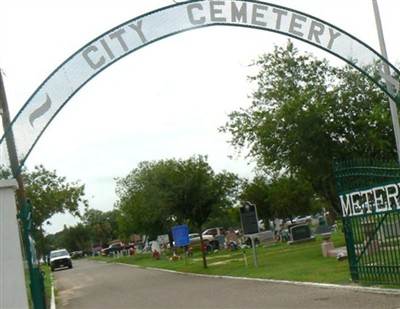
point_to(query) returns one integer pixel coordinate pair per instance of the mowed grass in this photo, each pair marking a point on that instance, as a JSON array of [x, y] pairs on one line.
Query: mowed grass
[[301, 262], [47, 283]]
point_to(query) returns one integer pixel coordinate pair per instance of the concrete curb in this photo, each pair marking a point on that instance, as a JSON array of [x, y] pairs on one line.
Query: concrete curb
[[53, 298], [299, 283]]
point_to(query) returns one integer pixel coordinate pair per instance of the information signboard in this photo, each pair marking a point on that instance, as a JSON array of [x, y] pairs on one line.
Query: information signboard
[[249, 219], [180, 233]]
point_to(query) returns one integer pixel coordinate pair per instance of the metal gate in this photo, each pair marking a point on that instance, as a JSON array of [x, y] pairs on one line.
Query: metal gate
[[369, 194]]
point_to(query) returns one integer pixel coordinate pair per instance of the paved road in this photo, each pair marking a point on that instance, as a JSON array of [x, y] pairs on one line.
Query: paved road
[[98, 285]]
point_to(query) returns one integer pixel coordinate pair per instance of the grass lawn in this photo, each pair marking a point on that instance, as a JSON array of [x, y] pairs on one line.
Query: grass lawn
[[47, 283], [300, 262]]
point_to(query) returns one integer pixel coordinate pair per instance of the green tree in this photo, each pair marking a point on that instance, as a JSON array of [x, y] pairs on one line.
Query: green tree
[[280, 197], [102, 226], [290, 196], [144, 208], [50, 194], [257, 192], [157, 195], [77, 238], [5, 173], [54, 241], [203, 191], [230, 185], [305, 113]]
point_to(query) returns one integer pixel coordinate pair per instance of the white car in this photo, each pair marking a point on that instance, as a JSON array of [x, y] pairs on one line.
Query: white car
[[60, 258], [215, 231], [302, 219], [195, 239]]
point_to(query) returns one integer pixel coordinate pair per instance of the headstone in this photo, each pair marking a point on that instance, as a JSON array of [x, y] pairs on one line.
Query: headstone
[[155, 246], [321, 220], [231, 236], [326, 247], [323, 229], [266, 238], [290, 225], [301, 233], [163, 239], [232, 240], [221, 241], [277, 223]]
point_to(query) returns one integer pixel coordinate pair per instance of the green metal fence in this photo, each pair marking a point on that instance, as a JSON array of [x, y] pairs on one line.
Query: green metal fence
[[369, 194]]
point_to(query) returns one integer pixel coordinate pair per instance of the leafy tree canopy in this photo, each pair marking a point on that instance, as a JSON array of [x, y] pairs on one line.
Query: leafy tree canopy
[[102, 226], [77, 238], [257, 192], [157, 195], [305, 113], [282, 197], [51, 194]]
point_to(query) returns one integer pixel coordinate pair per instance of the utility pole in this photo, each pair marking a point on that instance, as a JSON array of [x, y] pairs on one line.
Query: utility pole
[[12, 149], [386, 71]]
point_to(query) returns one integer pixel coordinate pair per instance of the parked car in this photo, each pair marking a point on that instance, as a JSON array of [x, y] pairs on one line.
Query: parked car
[[195, 239], [302, 219], [215, 231], [113, 248], [116, 247], [210, 244], [60, 258], [76, 254]]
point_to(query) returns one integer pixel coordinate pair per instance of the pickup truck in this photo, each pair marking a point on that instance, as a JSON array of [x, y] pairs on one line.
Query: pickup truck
[[116, 247]]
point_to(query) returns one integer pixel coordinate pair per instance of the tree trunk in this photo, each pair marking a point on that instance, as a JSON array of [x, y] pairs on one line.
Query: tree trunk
[[203, 250]]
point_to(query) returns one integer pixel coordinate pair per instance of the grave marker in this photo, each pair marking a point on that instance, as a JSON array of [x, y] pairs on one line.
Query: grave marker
[[300, 233]]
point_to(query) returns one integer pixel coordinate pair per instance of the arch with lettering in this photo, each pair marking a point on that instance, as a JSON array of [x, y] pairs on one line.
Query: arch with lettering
[[66, 80]]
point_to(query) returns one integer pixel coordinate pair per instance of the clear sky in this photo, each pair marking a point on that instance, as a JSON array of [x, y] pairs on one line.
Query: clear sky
[[164, 101]]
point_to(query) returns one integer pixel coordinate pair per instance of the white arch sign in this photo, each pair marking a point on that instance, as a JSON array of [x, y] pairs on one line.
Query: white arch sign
[[120, 41]]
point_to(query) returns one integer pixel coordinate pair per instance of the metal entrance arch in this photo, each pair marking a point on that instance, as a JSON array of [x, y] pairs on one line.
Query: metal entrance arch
[[66, 80]]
